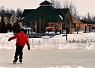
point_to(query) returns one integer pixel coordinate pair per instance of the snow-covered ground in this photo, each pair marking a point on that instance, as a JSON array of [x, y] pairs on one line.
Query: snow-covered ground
[[74, 41], [77, 52]]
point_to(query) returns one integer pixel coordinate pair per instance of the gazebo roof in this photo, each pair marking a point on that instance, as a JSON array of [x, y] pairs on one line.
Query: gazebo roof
[[46, 3], [26, 12], [62, 12], [44, 14]]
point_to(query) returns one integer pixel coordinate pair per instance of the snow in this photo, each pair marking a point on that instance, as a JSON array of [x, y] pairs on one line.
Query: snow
[[77, 52], [74, 41]]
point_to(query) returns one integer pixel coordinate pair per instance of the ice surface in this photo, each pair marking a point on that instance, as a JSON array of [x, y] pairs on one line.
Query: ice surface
[[49, 58]]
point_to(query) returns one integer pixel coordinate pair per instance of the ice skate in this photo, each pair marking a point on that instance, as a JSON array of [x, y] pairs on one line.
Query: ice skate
[[14, 62], [20, 61]]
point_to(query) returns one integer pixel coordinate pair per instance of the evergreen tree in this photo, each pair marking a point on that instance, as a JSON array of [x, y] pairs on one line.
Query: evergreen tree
[[88, 15], [9, 26], [0, 27], [3, 26], [14, 28]]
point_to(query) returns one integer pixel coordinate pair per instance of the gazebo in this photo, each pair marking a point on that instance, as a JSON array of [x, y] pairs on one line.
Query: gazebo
[[44, 15]]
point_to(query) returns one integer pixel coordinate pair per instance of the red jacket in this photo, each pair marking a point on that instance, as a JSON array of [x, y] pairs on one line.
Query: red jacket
[[21, 39]]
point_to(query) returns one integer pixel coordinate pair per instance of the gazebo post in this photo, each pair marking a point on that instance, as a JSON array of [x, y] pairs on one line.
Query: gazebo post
[[55, 27], [43, 28], [35, 27], [31, 27], [61, 28], [70, 25], [40, 29]]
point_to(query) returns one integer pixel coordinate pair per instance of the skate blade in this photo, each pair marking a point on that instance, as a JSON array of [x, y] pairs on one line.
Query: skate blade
[[14, 62], [20, 62]]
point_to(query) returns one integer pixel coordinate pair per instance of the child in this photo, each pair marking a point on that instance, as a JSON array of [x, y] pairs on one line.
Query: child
[[21, 40]]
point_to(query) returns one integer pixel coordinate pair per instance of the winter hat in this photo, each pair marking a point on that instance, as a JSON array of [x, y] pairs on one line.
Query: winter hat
[[22, 29]]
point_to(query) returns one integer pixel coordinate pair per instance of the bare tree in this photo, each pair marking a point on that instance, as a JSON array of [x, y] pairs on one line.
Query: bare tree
[[72, 8], [2, 7], [56, 3], [66, 4], [12, 11], [78, 17], [7, 10], [18, 13]]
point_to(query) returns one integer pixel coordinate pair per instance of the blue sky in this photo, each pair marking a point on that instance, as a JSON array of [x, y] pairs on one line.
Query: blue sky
[[83, 6]]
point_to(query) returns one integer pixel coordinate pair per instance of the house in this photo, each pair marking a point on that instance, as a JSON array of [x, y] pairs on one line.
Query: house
[[8, 18], [82, 25], [13, 19]]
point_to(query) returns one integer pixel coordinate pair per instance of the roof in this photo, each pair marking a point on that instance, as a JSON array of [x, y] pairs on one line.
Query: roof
[[47, 14], [26, 12], [9, 15], [76, 21], [46, 3], [62, 12], [44, 14], [6, 14]]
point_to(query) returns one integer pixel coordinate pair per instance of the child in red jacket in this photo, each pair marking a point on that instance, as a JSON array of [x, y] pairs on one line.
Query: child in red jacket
[[20, 43]]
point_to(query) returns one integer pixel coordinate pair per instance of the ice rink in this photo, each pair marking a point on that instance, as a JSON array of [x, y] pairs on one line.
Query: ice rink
[[49, 58]]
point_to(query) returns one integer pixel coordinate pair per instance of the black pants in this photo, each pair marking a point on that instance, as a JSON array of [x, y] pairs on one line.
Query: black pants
[[19, 52]]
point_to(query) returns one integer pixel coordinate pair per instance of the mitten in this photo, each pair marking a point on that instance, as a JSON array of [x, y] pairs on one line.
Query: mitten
[[9, 39], [28, 47]]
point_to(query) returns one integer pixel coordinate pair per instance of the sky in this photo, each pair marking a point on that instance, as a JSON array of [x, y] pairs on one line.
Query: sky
[[83, 6]]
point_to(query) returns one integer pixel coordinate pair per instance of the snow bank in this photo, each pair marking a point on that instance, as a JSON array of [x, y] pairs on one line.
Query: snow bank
[[74, 41]]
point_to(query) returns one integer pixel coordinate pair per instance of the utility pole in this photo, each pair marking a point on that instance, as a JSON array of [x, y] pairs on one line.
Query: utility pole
[[66, 32], [77, 29]]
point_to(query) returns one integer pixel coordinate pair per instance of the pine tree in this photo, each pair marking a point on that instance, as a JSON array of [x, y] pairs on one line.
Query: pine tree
[[14, 29], [3, 26], [0, 27], [9, 26]]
